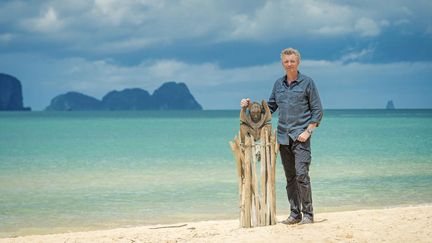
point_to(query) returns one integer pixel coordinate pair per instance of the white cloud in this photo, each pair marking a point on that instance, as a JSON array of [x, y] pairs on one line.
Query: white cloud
[[357, 55], [117, 13], [402, 22], [278, 19], [332, 30], [130, 25], [48, 22], [384, 23], [6, 37], [281, 19], [367, 27], [127, 45]]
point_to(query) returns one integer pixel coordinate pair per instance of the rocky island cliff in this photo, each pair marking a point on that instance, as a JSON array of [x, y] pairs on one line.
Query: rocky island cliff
[[169, 96], [11, 98]]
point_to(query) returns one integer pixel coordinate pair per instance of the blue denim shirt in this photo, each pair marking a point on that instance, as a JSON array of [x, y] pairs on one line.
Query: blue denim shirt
[[299, 105]]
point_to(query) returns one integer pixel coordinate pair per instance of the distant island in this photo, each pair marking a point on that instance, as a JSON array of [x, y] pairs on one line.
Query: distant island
[[390, 105], [170, 96], [11, 98]]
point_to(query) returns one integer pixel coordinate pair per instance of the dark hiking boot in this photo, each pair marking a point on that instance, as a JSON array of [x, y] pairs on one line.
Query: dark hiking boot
[[306, 220], [291, 220]]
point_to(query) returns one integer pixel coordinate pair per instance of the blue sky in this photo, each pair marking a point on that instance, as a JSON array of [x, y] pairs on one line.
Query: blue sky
[[360, 53]]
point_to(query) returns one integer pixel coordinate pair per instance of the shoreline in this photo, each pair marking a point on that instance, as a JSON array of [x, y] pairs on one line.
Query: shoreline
[[407, 223]]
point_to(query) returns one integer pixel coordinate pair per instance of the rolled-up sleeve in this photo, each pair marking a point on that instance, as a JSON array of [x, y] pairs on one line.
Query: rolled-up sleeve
[[315, 104]]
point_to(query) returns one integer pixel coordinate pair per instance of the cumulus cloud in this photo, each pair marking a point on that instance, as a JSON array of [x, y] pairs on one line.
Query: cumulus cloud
[[131, 25], [115, 13], [357, 55], [47, 22], [402, 22], [126, 45], [331, 30], [6, 37], [277, 19], [367, 27]]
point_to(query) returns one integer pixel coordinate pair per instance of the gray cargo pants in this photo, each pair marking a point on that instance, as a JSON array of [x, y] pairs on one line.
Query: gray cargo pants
[[296, 158]]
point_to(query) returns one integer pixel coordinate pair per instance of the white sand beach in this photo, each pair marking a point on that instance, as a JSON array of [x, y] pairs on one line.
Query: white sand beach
[[400, 224]]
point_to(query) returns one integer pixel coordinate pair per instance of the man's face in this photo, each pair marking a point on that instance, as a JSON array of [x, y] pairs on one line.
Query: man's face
[[290, 63]]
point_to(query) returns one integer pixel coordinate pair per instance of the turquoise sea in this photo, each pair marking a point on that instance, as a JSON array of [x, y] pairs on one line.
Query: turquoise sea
[[70, 171]]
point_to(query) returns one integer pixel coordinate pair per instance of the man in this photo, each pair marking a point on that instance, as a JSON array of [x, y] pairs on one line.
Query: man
[[300, 112]]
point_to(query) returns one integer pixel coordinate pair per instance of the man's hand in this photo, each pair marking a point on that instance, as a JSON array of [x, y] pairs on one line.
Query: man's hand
[[303, 136], [307, 133], [244, 102]]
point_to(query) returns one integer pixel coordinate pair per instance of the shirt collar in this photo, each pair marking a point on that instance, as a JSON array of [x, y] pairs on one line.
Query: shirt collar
[[300, 77]]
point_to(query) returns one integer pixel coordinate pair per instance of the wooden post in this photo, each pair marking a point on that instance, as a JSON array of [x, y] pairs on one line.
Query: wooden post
[[268, 179], [263, 180], [273, 177], [247, 184], [236, 152], [257, 196]]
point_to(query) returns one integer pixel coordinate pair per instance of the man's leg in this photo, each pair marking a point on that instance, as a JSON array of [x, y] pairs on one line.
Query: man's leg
[[302, 154], [288, 163]]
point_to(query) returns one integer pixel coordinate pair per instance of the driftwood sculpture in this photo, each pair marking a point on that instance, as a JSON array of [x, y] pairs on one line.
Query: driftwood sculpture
[[254, 144], [259, 117]]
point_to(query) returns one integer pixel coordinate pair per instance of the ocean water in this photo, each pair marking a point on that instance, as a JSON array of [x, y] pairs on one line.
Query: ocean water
[[69, 171]]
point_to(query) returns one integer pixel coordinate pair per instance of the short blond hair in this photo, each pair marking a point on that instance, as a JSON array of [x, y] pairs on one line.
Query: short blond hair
[[290, 51]]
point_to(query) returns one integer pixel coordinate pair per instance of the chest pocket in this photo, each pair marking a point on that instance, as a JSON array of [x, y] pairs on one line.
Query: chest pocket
[[297, 98], [281, 96]]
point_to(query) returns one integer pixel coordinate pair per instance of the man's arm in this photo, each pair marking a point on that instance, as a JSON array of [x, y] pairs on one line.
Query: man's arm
[[315, 104], [272, 101], [316, 111]]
